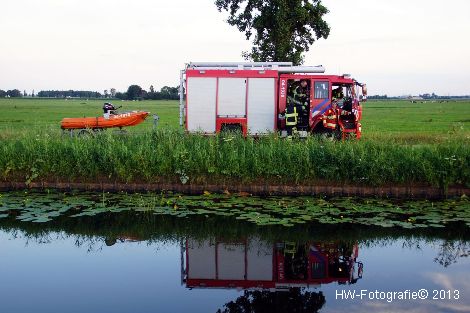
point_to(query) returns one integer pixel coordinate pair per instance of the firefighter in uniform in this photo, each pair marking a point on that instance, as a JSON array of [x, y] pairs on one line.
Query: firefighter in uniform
[[338, 93], [292, 118], [330, 116], [297, 108], [329, 119]]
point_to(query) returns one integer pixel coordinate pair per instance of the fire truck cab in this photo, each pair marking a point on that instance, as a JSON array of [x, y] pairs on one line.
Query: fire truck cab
[[252, 98]]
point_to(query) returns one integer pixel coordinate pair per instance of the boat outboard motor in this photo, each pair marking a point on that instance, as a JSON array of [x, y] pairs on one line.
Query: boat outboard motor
[[108, 108]]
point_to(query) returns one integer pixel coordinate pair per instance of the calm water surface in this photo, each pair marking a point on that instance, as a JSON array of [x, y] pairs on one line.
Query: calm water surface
[[104, 264]]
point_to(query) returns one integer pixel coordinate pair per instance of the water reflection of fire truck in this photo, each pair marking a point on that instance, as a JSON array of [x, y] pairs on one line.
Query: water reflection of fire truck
[[254, 263]]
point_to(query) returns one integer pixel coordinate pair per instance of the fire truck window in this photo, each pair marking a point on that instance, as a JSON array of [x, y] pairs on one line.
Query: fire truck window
[[321, 90]]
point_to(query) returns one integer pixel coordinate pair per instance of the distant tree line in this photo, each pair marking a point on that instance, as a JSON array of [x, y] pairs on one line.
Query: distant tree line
[[68, 94], [15, 93], [377, 97], [134, 92], [425, 96]]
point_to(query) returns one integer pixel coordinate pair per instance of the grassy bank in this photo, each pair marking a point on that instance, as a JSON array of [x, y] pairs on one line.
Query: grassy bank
[[403, 143], [173, 156]]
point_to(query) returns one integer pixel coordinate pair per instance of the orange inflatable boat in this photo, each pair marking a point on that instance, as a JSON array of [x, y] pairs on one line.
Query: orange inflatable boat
[[117, 120]]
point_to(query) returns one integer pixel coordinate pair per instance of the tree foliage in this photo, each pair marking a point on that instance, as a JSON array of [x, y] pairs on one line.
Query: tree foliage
[[291, 300], [134, 92], [14, 93], [169, 92], [68, 94], [283, 29], [121, 95]]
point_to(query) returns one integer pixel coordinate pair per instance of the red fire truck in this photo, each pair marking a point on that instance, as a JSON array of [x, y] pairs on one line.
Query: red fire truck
[[253, 263], [252, 98]]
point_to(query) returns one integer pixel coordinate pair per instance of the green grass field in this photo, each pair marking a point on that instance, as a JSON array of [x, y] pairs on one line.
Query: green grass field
[[398, 120], [416, 122], [20, 116], [403, 144]]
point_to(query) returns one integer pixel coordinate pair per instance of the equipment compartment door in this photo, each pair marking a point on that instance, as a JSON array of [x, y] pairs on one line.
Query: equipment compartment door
[[231, 97], [201, 104], [261, 105], [201, 258], [231, 261]]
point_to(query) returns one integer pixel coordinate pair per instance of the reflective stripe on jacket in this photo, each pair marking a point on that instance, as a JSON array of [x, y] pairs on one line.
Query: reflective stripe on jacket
[[291, 117], [329, 119]]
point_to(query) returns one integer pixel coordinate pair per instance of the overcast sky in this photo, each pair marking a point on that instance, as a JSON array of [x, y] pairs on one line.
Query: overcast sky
[[397, 47]]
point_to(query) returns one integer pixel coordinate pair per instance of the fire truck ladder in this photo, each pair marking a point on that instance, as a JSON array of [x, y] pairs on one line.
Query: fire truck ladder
[[281, 67]]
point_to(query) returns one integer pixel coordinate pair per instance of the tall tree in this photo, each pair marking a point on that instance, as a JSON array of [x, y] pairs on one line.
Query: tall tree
[[134, 92], [113, 92], [283, 29], [170, 93], [121, 95]]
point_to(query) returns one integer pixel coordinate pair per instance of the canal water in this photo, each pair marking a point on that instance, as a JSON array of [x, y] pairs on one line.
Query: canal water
[[135, 262]]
